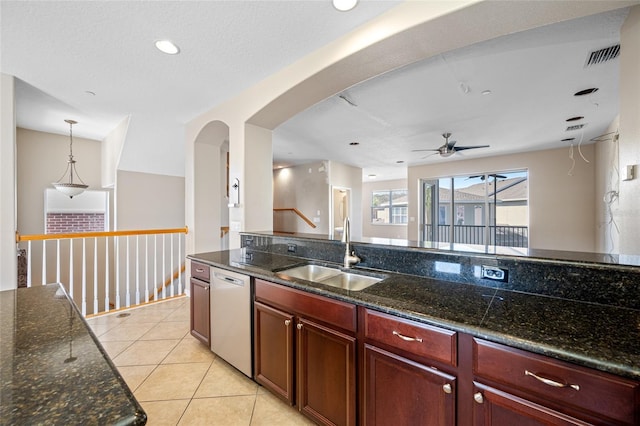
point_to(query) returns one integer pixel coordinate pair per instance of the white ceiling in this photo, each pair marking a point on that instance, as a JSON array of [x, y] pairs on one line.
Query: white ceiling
[[60, 50], [532, 77]]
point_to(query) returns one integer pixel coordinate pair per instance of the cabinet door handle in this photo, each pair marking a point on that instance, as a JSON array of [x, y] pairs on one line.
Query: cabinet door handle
[[550, 382], [299, 326], [199, 270], [447, 388], [206, 288], [407, 338], [287, 322], [478, 397]]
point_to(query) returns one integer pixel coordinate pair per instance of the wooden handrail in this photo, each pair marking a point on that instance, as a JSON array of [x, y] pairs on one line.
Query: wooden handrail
[[223, 231], [298, 212], [42, 237]]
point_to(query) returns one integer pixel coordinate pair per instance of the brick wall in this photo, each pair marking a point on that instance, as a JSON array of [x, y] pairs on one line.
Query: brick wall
[[58, 223]]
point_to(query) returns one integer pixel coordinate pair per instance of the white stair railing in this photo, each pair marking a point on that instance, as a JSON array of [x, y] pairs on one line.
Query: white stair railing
[[108, 263]]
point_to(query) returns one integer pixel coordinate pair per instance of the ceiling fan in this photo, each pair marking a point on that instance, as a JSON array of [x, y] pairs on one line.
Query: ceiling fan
[[450, 148]]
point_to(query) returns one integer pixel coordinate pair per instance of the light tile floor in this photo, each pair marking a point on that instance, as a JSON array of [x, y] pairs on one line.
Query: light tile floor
[[177, 379]]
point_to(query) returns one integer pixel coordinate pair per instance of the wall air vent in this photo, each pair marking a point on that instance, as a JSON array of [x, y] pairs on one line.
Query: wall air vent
[[575, 127], [602, 55]]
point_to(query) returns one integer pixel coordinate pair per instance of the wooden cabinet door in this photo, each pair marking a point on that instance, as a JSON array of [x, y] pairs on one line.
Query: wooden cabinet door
[[326, 374], [400, 392], [273, 334], [200, 311], [498, 408]]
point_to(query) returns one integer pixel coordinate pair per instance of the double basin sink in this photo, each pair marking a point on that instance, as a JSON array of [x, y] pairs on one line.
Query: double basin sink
[[333, 277]]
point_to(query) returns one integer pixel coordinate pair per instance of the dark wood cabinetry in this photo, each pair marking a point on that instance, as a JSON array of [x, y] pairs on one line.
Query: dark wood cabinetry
[[532, 389], [399, 391], [324, 351], [402, 391], [410, 373], [200, 303], [273, 336]]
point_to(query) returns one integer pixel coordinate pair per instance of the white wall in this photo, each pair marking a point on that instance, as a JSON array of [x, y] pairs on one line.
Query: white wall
[[306, 188], [407, 33], [111, 151], [370, 230], [148, 201], [8, 220], [344, 176], [607, 187], [42, 159], [629, 207], [561, 207]]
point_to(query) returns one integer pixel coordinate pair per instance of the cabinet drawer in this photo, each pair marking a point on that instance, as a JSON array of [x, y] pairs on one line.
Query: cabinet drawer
[[419, 339], [561, 383], [200, 271], [334, 312]]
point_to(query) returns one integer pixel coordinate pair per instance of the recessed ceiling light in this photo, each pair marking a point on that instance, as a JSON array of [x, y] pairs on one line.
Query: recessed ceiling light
[[344, 5], [90, 93], [586, 91], [168, 47], [486, 92], [354, 143], [567, 139], [400, 161], [372, 176], [576, 118]]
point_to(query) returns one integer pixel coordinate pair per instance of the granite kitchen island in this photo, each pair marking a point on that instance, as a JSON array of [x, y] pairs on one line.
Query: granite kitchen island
[[53, 369]]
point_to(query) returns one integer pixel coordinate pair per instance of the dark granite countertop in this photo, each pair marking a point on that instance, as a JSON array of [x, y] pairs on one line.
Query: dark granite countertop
[[603, 337], [53, 369]]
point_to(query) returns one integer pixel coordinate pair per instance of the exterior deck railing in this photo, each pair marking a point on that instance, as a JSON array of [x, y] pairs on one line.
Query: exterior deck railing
[[108, 270], [504, 236]]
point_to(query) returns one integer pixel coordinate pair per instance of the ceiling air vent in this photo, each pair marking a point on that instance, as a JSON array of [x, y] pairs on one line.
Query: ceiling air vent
[[602, 55], [575, 127]]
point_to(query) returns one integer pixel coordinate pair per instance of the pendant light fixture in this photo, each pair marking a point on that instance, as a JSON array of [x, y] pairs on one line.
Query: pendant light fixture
[[70, 188]]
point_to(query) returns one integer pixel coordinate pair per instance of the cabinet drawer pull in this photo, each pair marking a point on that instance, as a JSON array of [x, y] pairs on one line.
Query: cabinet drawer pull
[[287, 322], [199, 270], [478, 397], [206, 288], [407, 338], [550, 382], [447, 388], [299, 326]]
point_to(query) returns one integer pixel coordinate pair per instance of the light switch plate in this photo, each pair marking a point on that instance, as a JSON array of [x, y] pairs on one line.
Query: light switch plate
[[629, 172]]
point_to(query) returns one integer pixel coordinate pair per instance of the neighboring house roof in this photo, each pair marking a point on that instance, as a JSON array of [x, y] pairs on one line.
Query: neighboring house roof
[[511, 189]]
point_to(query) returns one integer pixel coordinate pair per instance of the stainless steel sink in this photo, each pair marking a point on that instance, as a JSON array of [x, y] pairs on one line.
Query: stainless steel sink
[[330, 276]]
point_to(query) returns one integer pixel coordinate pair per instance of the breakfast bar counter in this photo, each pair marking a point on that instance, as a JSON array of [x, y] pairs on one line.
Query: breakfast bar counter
[[53, 369]]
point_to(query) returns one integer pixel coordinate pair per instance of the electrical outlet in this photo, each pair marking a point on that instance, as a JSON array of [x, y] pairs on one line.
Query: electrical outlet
[[291, 248], [495, 273]]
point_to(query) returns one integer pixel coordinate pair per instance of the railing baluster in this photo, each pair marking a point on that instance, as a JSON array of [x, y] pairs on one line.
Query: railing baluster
[[58, 261], [127, 295], [163, 267], [28, 263], [107, 307], [179, 264], [171, 264], [84, 277], [155, 265], [146, 268], [71, 268], [95, 275], [116, 241], [163, 273], [137, 272], [44, 262]]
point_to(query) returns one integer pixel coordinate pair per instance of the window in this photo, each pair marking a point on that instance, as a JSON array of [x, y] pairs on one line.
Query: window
[[488, 209], [389, 207]]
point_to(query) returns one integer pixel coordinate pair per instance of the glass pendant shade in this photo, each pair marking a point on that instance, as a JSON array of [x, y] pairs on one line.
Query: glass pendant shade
[[67, 186]]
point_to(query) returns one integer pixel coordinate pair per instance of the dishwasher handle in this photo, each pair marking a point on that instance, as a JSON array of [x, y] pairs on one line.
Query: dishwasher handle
[[229, 279]]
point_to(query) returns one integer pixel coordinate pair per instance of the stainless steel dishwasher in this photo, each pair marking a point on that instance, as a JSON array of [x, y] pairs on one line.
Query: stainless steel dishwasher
[[231, 318]]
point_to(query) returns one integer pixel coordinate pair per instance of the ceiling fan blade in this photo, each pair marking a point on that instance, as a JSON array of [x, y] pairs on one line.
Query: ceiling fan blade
[[462, 148], [451, 145], [430, 155], [420, 150]]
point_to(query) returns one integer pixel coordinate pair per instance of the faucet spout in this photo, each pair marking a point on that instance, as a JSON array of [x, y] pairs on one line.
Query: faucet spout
[[350, 257]]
